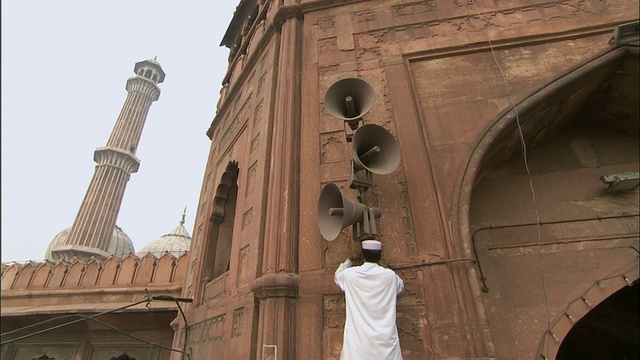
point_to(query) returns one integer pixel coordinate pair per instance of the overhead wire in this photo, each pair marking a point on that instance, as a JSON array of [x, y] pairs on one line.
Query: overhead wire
[[93, 318], [514, 109], [564, 313], [61, 325], [135, 337]]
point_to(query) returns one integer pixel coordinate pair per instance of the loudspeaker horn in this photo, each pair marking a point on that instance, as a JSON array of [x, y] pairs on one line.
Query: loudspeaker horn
[[375, 149], [349, 99], [336, 212]]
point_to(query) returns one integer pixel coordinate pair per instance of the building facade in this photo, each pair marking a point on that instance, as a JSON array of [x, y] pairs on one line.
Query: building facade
[[512, 217]]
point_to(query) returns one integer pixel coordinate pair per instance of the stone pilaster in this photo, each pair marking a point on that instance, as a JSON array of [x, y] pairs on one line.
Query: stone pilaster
[[276, 288]]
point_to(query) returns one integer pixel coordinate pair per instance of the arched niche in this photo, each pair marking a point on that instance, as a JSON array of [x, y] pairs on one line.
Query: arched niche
[[538, 218], [217, 249]]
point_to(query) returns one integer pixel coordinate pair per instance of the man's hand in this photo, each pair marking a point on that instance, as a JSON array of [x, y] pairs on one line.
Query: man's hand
[[356, 260]]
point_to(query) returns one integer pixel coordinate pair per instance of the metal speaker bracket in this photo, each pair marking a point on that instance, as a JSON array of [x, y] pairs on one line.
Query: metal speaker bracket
[[367, 229], [358, 182]]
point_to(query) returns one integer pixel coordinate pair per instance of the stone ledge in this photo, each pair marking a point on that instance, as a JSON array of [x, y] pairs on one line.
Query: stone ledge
[[272, 285]]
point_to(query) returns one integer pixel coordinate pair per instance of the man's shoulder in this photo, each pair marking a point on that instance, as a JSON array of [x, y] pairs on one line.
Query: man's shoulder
[[381, 269]]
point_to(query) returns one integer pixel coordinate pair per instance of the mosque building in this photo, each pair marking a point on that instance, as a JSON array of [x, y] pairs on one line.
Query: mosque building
[[493, 144]]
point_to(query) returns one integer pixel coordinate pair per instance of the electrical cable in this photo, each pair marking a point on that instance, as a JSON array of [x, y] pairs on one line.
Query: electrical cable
[[69, 316], [186, 324], [524, 155], [92, 318], [135, 337], [62, 325]]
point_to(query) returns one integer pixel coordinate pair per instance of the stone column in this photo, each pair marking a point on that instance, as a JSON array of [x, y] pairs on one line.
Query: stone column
[[276, 289]]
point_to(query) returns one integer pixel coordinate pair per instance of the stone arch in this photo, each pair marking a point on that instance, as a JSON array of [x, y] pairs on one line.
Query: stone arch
[[108, 271], [124, 356], [146, 269], [74, 275], [91, 273], [147, 74], [44, 357], [41, 276], [543, 116], [503, 129], [58, 273], [217, 249], [164, 270], [25, 275], [620, 292], [9, 276], [128, 268], [180, 269]]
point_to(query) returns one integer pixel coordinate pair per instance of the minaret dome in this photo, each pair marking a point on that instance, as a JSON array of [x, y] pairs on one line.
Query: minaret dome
[[150, 69]]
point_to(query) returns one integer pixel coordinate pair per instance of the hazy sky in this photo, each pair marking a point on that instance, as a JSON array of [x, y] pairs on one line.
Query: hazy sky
[[65, 64]]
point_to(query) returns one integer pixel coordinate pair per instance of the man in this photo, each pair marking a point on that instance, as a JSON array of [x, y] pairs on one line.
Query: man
[[370, 290]]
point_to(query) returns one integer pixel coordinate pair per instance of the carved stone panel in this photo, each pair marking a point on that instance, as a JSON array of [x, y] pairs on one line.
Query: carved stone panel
[[244, 270], [238, 322], [205, 333], [334, 318], [332, 147], [251, 180]]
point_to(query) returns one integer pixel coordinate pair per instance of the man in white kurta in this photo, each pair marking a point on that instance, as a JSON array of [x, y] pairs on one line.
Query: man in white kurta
[[371, 290]]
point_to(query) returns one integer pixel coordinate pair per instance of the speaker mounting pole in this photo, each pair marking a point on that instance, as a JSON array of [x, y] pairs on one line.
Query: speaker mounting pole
[[375, 151], [367, 229], [359, 182]]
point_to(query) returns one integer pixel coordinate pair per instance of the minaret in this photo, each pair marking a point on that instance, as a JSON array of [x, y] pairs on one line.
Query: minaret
[[91, 232]]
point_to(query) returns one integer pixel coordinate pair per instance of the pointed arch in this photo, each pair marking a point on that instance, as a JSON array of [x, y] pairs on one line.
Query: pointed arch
[[124, 356], [607, 328], [501, 138], [582, 122], [217, 253], [44, 357]]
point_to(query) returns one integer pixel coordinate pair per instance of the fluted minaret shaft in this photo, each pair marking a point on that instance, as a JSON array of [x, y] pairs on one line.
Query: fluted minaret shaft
[[94, 224]]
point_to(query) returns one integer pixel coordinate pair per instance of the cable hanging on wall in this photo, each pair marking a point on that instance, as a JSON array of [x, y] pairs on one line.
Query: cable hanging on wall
[[524, 151], [93, 317]]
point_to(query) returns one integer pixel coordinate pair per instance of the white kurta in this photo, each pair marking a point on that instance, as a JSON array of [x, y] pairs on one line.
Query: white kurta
[[370, 329]]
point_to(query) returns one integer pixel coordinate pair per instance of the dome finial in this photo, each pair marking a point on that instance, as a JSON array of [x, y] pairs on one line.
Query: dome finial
[[183, 215]]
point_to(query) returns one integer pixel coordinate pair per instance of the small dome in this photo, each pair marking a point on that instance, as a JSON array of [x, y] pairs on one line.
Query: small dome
[[150, 66], [176, 243], [119, 246]]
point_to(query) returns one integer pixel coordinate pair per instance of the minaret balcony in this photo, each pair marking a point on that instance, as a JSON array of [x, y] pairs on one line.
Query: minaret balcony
[[143, 85], [116, 157]]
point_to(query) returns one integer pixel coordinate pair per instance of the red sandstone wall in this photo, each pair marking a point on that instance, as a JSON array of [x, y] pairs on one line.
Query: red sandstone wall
[[131, 270], [439, 88]]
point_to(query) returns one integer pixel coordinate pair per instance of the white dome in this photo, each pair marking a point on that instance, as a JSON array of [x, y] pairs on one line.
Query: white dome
[[119, 246], [176, 243]]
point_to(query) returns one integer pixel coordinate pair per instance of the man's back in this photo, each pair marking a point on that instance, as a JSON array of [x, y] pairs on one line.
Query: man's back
[[370, 329]]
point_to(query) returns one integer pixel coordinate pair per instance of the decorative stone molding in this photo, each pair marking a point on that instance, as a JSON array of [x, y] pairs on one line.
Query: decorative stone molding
[[272, 285], [285, 13], [164, 270], [117, 158], [145, 86]]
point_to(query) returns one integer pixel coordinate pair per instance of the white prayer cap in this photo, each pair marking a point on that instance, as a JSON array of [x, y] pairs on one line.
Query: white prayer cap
[[371, 245]]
